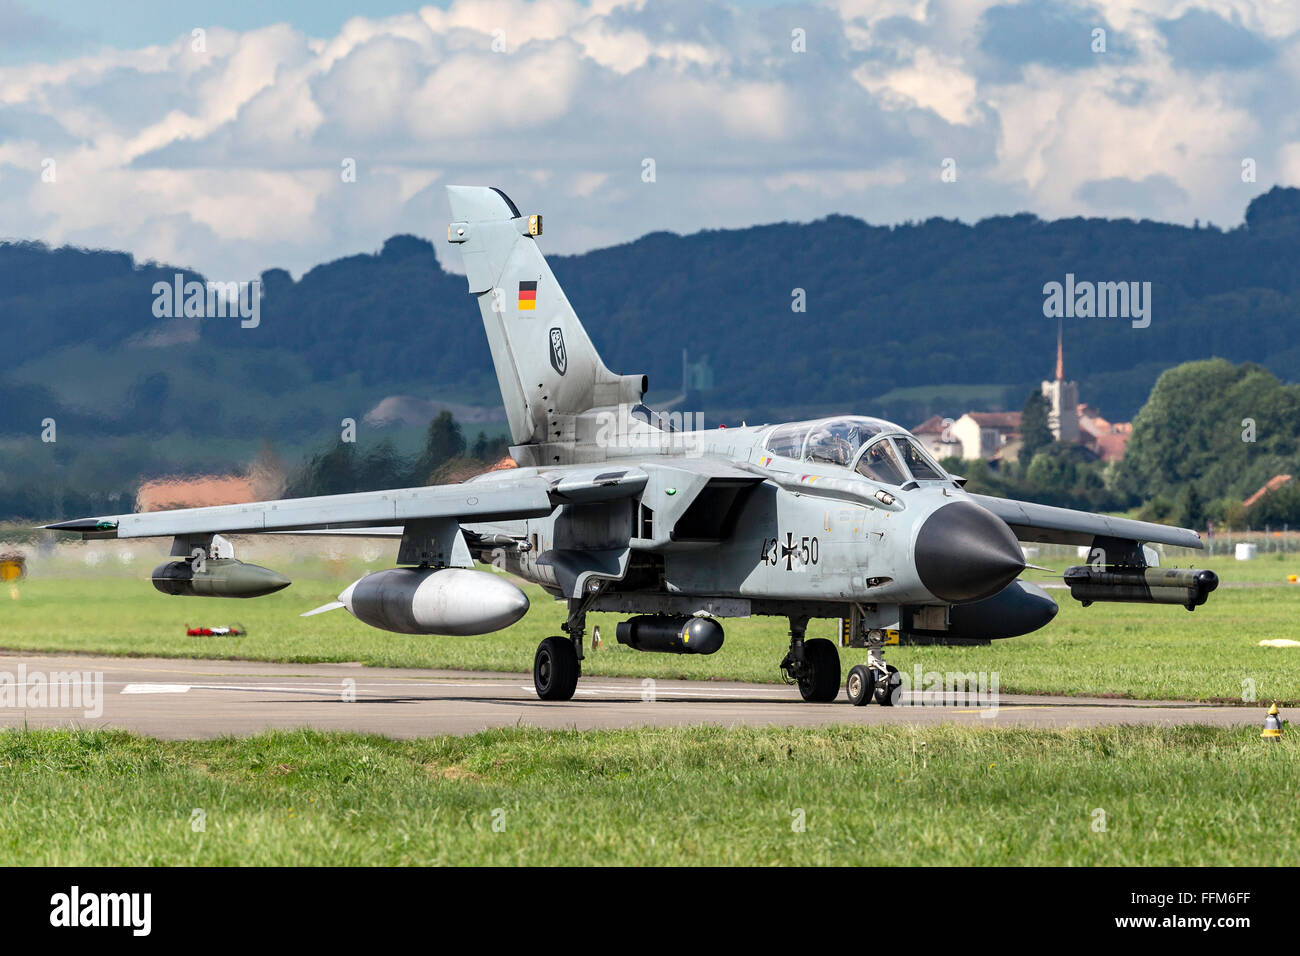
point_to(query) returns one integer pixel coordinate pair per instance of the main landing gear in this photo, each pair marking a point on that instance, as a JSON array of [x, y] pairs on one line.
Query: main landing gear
[[556, 669], [813, 665], [557, 665], [874, 680]]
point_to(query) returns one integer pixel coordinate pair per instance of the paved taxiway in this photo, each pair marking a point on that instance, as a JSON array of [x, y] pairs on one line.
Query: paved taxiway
[[208, 698]]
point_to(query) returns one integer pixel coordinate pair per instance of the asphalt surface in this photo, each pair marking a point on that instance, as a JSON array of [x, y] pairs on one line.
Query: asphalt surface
[[181, 698]]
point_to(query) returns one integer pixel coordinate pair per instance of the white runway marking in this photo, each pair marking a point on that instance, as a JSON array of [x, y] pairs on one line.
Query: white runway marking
[[156, 689], [672, 692]]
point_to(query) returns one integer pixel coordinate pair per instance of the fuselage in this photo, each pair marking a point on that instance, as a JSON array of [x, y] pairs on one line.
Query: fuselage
[[827, 511]]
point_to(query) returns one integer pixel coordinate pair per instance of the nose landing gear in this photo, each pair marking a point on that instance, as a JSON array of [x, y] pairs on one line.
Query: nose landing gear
[[874, 680], [861, 685]]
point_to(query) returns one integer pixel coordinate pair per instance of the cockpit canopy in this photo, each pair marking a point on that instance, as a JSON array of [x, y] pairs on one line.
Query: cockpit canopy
[[891, 455], [834, 440]]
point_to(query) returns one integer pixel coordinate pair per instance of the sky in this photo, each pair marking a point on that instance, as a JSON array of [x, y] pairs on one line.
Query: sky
[[238, 136]]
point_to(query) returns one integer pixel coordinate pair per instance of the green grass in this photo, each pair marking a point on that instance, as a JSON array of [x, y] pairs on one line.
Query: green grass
[[1267, 568], [953, 395], [1129, 650], [868, 795]]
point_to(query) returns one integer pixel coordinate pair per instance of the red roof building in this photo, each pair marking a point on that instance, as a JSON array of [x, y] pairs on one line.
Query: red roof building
[[1273, 484]]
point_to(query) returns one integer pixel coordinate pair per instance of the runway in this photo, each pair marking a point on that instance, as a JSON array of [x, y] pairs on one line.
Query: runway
[[184, 698]]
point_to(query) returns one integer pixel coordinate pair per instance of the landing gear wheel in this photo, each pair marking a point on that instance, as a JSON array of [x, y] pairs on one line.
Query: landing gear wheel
[[861, 685], [556, 669], [888, 692], [820, 681]]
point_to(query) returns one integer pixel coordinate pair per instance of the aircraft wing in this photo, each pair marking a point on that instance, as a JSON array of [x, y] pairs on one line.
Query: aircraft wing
[[395, 531], [530, 495], [1034, 522]]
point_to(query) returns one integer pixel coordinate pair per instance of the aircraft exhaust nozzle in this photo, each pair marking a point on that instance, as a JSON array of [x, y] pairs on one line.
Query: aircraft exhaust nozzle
[[965, 553], [435, 601]]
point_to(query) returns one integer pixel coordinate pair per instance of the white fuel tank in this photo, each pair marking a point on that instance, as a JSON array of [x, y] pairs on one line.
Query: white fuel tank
[[435, 601]]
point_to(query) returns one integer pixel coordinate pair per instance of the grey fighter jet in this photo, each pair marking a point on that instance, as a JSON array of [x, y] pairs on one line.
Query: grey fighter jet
[[612, 509]]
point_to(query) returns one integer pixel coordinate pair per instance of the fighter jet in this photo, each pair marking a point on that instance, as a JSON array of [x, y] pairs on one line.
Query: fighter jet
[[612, 509]]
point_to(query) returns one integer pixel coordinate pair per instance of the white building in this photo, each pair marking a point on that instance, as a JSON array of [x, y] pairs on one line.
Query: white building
[[935, 433], [983, 434]]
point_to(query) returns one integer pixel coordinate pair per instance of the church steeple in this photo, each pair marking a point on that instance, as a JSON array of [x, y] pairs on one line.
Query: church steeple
[[1062, 398], [1060, 354]]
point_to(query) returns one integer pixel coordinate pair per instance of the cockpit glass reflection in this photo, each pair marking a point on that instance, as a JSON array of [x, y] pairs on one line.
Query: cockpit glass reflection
[[880, 463], [835, 441], [917, 461], [787, 441]]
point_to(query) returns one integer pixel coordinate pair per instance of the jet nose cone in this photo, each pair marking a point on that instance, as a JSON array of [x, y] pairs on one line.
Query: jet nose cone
[[964, 553]]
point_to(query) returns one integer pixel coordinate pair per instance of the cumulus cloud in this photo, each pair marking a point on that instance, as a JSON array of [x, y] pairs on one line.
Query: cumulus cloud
[[233, 155]]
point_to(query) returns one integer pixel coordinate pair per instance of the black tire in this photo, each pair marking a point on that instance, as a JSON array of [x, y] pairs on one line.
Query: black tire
[[555, 669], [820, 683], [888, 693], [861, 685]]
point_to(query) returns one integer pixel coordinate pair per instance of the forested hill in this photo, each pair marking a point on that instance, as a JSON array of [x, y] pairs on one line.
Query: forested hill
[[891, 312], [943, 303]]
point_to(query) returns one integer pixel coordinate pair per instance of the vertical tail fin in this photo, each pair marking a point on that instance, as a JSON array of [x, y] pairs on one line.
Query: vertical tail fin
[[545, 363]]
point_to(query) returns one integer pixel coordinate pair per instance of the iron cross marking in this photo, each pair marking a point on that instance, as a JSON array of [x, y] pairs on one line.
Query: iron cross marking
[[788, 551]]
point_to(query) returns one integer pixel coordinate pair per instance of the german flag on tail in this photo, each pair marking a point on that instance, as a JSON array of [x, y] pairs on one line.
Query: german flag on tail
[[528, 296]]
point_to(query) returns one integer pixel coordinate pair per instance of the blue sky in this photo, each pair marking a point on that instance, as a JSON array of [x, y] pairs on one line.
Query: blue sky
[[77, 26], [117, 132], [53, 30]]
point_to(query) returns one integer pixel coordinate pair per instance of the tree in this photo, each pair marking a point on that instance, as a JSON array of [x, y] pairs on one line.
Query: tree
[[267, 473], [1224, 426], [489, 450], [442, 442], [1056, 474], [1034, 431], [383, 467], [1191, 513], [147, 400], [332, 472], [1279, 507]]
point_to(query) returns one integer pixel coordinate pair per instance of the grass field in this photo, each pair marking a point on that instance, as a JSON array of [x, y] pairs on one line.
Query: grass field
[[1122, 649], [865, 795]]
